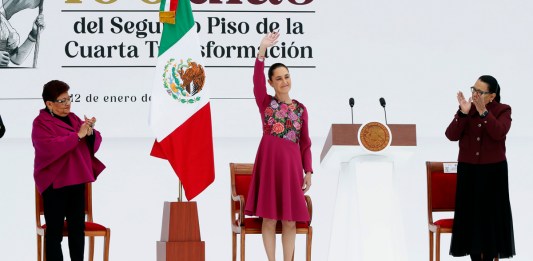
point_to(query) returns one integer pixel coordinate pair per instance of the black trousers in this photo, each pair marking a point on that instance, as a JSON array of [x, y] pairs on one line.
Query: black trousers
[[67, 202]]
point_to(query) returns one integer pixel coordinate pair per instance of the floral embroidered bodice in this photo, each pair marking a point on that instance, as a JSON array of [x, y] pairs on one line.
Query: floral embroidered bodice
[[283, 120]]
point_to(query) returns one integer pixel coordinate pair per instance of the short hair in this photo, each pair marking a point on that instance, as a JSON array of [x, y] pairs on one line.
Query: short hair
[[54, 88], [274, 67]]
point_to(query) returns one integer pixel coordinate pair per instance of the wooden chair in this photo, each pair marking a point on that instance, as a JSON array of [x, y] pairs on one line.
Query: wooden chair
[[441, 188], [441, 198], [91, 229], [241, 174]]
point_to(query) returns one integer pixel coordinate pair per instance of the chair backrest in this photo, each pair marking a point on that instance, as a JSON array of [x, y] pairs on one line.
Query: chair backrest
[[441, 186], [39, 208], [241, 175]]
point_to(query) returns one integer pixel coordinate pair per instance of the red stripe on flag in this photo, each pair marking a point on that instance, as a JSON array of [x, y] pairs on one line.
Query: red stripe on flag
[[189, 150], [173, 5]]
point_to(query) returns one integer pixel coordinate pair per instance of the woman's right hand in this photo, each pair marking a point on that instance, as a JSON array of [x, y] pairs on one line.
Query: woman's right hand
[[463, 103]]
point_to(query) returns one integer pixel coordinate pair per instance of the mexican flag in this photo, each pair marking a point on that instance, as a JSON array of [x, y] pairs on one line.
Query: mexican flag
[[180, 113]]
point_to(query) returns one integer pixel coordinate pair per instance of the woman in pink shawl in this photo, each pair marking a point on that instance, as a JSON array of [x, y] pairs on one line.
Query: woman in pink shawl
[[64, 161]]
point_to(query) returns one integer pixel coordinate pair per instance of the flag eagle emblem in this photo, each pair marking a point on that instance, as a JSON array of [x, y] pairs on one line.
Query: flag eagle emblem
[[184, 81]]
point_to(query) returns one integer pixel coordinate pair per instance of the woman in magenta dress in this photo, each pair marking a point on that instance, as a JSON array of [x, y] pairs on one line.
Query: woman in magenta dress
[[284, 155]]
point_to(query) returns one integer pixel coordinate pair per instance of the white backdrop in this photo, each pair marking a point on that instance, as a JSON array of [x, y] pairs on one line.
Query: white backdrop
[[417, 55]]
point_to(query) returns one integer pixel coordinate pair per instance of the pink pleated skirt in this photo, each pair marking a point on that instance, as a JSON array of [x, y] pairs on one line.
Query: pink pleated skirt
[[276, 186]]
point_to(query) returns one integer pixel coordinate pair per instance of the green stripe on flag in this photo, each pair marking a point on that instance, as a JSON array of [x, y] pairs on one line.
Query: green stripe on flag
[[162, 5], [172, 33]]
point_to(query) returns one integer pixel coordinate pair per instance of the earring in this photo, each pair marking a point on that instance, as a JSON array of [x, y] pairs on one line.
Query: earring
[[51, 112]]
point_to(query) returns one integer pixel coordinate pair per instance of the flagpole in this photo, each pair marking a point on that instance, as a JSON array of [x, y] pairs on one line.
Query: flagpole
[[36, 52], [180, 235], [180, 195]]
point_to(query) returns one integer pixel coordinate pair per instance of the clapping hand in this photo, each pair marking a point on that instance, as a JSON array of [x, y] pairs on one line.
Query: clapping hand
[[463, 103], [90, 123], [84, 131], [479, 102]]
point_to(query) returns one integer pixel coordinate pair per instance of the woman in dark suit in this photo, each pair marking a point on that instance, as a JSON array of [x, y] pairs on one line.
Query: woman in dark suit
[[483, 224]]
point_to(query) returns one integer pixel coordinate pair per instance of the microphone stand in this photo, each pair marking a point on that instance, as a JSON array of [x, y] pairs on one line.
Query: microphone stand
[[352, 114], [385, 115]]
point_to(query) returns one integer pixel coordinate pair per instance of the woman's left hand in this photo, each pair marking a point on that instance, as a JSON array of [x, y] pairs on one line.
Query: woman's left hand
[[269, 40], [91, 123], [307, 182]]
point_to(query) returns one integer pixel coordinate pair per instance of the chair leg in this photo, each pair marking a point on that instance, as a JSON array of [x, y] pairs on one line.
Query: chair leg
[[233, 246], [44, 247], [243, 237], [39, 248], [309, 238], [437, 247], [91, 248], [430, 246], [107, 238]]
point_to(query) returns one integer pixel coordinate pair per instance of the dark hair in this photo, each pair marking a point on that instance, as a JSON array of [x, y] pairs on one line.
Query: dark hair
[[494, 87], [274, 67], [54, 88]]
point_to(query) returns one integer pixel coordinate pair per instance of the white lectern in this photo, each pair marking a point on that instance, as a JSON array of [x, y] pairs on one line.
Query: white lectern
[[367, 223]]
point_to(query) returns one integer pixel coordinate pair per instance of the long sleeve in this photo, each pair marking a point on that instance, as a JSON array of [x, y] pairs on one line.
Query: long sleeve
[[481, 140], [305, 143], [260, 92], [94, 141], [456, 127], [498, 125]]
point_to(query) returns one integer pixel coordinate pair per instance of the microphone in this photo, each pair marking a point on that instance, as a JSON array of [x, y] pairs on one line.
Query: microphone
[[383, 103], [352, 102]]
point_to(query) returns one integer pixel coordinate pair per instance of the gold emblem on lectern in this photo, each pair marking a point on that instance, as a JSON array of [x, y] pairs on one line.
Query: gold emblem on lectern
[[374, 136]]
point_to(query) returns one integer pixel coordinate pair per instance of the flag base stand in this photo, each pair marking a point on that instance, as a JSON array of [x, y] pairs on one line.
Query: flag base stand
[[180, 233]]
